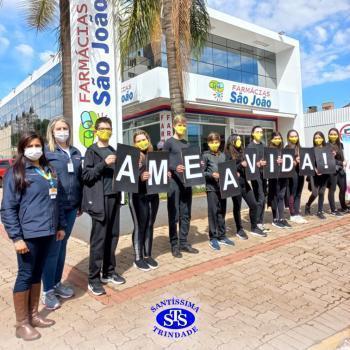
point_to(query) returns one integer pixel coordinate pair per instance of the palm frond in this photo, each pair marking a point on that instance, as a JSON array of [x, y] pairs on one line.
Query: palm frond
[[40, 13]]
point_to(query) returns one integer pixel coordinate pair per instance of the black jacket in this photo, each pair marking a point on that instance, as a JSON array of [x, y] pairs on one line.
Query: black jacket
[[93, 193], [211, 165]]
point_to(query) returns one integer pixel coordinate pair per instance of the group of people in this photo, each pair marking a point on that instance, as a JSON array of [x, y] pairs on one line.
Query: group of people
[[49, 185]]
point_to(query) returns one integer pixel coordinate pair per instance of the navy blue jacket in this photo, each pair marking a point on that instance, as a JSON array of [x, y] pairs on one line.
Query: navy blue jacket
[[71, 182], [31, 213]]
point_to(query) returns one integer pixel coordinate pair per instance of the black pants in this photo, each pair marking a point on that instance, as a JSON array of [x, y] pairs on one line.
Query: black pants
[[318, 188], [31, 264], [248, 195], [296, 185], [104, 239], [144, 210], [216, 215], [277, 191], [259, 189], [334, 180], [179, 211]]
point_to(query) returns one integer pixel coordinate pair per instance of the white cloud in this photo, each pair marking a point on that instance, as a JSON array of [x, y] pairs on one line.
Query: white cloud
[[25, 50], [4, 44], [46, 55]]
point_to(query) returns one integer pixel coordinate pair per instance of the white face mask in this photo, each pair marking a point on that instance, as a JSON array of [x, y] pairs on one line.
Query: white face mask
[[33, 153], [61, 136]]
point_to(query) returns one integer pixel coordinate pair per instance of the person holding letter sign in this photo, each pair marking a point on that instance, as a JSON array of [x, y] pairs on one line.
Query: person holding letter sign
[[259, 185], [318, 182], [179, 196], [102, 203], [216, 204], [234, 151], [277, 188], [144, 208], [296, 182], [339, 177]]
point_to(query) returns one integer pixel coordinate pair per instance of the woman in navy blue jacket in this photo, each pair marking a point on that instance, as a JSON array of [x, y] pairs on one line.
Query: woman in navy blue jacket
[[66, 160], [32, 214]]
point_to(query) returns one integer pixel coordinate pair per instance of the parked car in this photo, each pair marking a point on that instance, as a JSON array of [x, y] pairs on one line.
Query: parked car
[[4, 165]]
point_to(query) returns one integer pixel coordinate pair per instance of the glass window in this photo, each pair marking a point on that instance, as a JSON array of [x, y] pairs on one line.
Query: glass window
[[234, 59], [249, 63], [235, 75], [219, 55], [194, 66], [250, 78], [270, 68], [261, 66], [233, 44], [205, 69], [221, 72], [207, 54], [271, 83], [219, 40]]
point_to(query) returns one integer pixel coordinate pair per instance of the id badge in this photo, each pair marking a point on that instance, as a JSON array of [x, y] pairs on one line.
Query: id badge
[[70, 167], [53, 192]]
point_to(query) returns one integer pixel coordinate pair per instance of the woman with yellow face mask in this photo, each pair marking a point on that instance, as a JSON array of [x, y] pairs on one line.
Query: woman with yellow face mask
[[339, 178], [234, 151], [216, 205], [277, 188], [143, 208], [318, 182], [179, 196], [295, 183], [259, 185]]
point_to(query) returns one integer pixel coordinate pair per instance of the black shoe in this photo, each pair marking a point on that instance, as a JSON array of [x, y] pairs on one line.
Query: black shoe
[[176, 252], [336, 213], [151, 263], [320, 215], [307, 210], [241, 234], [286, 224], [189, 249], [257, 232], [96, 288], [142, 265], [344, 210], [278, 224], [113, 278]]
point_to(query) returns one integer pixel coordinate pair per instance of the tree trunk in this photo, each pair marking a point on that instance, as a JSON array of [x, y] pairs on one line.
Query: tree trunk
[[65, 43], [176, 93]]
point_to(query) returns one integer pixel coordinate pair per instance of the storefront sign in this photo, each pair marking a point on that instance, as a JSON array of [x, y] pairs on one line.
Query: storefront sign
[[94, 91], [129, 92], [166, 125], [229, 92], [344, 130]]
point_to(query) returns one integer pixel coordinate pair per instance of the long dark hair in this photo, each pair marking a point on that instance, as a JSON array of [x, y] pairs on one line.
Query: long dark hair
[[338, 145], [230, 150], [274, 134], [19, 166], [292, 145], [319, 133]]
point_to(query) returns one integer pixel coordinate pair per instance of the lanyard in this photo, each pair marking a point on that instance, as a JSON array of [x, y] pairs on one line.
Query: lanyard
[[47, 176]]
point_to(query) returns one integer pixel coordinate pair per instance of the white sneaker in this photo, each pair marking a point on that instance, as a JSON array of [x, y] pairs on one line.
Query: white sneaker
[[294, 218], [301, 219]]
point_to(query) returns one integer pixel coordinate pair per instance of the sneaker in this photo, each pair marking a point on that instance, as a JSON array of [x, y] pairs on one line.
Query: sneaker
[[113, 278], [50, 300], [286, 224], [278, 224], [63, 291], [142, 265], [295, 218], [263, 228], [151, 263], [241, 234], [96, 288], [176, 252], [307, 210], [321, 215], [336, 213], [214, 244], [344, 210], [258, 233], [226, 241], [301, 220], [189, 249]]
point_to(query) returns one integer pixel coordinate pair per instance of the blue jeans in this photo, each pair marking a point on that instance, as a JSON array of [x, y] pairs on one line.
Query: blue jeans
[[53, 269]]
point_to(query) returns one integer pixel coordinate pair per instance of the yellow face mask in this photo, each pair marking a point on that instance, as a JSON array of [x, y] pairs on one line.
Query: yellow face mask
[[293, 139], [333, 138], [180, 129], [142, 145], [318, 140], [214, 146], [258, 135], [276, 141], [104, 135], [238, 143]]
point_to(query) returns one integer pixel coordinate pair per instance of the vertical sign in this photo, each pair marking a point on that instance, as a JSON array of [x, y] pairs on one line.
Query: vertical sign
[[166, 125], [94, 92], [344, 130]]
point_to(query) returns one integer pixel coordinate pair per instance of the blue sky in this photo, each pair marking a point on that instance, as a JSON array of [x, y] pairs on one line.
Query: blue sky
[[321, 26]]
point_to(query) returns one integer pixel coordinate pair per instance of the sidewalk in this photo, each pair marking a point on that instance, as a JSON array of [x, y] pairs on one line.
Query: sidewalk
[[288, 291]]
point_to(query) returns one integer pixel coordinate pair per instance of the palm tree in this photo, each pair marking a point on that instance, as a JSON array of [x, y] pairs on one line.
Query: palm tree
[[41, 14], [185, 24]]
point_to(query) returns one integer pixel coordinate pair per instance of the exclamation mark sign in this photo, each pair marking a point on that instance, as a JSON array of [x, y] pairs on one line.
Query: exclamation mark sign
[[325, 160]]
